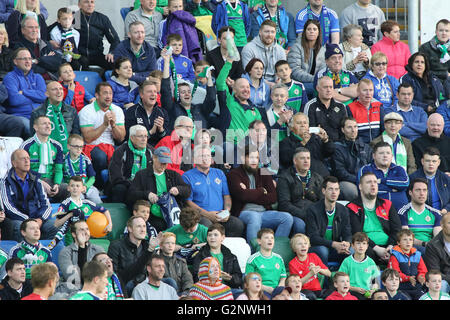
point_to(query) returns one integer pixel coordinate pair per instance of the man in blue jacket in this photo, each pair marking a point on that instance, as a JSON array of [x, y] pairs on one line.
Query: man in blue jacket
[[392, 179], [350, 155], [139, 51], [26, 89], [23, 197], [414, 118], [438, 181], [286, 35]]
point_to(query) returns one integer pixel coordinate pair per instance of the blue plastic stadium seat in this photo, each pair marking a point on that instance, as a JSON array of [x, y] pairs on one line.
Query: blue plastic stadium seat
[[55, 250], [124, 12], [108, 74], [88, 79], [6, 245]]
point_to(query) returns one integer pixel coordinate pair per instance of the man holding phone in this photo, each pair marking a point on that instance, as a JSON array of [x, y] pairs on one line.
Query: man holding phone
[[319, 144], [324, 111]]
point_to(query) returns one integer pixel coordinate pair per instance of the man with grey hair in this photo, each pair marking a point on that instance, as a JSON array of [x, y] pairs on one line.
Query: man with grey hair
[[45, 60], [140, 52], [180, 144], [150, 19], [324, 111], [279, 114], [127, 160], [368, 16], [434, 137], [210, 194]]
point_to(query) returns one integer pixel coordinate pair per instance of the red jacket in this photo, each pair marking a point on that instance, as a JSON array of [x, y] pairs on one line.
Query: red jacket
[[397, 55], [173, 142], [78, 98], [412, 260], [337, 296]]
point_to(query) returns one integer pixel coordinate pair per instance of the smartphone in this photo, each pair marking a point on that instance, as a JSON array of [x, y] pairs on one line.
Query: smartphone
[[315, 130]]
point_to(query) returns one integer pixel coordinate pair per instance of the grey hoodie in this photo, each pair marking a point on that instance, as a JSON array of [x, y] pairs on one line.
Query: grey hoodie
[[268, 55]]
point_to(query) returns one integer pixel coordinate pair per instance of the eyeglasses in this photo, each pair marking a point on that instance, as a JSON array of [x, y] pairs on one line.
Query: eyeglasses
[[377, 64], [76, 147], [185, 127]]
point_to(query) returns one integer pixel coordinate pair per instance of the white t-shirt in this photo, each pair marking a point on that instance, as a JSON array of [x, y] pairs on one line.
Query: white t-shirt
[[92, 116]]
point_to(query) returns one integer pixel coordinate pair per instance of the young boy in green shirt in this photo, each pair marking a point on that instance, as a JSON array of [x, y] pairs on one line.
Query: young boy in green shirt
[[361, 269], [267, 263], [434, 284], [297, 93], [191, 235]]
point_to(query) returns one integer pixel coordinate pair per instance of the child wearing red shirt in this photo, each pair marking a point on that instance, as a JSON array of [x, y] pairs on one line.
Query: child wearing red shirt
[[341, 282], [307, 266]]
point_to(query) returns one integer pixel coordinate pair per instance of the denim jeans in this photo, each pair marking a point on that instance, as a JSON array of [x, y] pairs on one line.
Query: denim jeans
[[48, 230], [279, 220], [299, 226], [329, 254]]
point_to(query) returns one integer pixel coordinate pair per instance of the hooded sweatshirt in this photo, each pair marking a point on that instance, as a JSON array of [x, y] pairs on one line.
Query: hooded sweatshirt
[[205, 289], [269, 55]]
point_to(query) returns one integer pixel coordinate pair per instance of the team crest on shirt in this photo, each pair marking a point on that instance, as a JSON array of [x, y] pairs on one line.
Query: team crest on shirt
[[277, 266], [41, 258], [217, 180], [296, 91], [427, 219], [139, 120], [345, 79], [185, 64], [336, 109], [240, 11], [86, 210]]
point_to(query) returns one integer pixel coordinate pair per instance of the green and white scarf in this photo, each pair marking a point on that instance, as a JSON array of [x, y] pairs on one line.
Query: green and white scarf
[[45, 155], [400, 157], [139, 161], [445, 56], [59, 129]]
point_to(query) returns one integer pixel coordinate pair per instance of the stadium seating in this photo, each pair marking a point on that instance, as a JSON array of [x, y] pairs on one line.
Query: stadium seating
[[281, 247], [104, 243], [119, 216], [239, 248], [88, 79]]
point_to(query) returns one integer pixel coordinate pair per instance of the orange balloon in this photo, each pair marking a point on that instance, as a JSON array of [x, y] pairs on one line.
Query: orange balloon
[[97, 223]]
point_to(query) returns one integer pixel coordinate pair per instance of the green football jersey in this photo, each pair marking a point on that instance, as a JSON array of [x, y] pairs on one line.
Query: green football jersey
[[84, 295], [31, 255], [271, 268], [235, 20], [372, 227]]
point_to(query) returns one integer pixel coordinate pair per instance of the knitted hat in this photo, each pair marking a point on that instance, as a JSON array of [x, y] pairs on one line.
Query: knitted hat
[[204, 267], [332, 49]]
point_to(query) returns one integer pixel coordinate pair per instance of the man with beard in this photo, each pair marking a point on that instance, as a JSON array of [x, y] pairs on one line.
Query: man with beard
[[253, 195], [376, 217], [210, 194], [153, 288]]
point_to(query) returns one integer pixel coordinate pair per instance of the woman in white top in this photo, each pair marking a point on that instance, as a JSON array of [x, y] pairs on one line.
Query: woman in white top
[[356, 54]]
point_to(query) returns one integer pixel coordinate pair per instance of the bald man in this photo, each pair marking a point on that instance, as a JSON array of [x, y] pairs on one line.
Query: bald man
[[434, 137], [64, 117], [19, 183], [236, 110]]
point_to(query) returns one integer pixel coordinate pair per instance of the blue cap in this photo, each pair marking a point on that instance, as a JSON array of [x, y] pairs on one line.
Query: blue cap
[[332, 49], [163, 154]]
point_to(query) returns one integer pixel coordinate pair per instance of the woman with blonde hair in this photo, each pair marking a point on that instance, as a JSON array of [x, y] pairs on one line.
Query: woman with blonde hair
[[385, 86], [5, 53], [25, 8]]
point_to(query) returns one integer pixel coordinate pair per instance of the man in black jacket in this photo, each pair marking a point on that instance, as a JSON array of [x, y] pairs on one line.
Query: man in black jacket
[[231, 272], [131, 253], [127, 160], [145, 186], [298, 188], [319, 144], [351, 154], [148, 114], [45, 60], [328, 224], [434, 137], [436, 254], [15, 286], [216, 56], [93, 26], [182, 105]]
